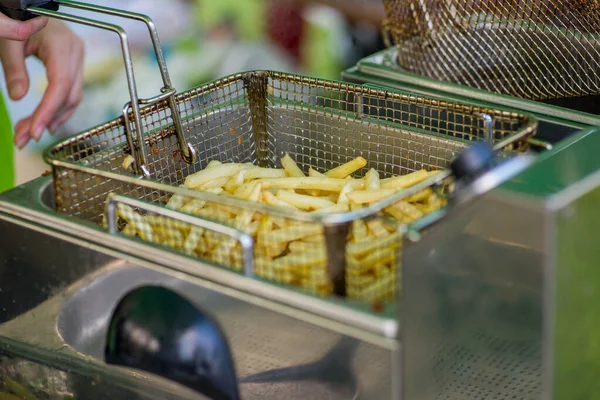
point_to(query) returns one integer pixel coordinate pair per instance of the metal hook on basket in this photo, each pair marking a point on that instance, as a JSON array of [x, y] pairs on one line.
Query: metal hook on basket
[[488, 128], [168, 92]]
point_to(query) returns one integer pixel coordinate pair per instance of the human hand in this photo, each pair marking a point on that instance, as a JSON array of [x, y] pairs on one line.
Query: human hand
[[62, 52]]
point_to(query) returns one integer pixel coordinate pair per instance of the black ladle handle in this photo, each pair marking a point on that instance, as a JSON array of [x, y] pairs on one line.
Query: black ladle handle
[[156, 330], [17, 9]]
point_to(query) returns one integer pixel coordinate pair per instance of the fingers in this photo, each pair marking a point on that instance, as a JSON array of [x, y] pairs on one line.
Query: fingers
[[75, 96], [22, 129], [63, 61], [62, 52], [12, 55], [17, 30]]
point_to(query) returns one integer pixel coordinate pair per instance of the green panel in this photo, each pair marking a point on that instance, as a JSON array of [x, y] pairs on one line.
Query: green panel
[[577, 315], [569, 162], [7, 162]]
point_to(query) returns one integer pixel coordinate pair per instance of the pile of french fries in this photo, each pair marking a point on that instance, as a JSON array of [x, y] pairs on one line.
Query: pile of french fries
[[287, 250]]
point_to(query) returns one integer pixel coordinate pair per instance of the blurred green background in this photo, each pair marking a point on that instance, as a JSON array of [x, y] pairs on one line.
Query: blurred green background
[[204, 40]]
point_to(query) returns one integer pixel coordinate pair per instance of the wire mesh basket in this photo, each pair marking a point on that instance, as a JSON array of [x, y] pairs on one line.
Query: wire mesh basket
[[540, 50], [257, 118]]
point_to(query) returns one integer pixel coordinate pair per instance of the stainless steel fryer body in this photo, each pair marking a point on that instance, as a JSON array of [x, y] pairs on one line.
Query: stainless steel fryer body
[[60, 282], [500, 299]]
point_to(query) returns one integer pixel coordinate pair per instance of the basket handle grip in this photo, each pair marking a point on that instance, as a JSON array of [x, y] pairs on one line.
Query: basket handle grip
[[17, 9], [138, 151], [246, 242]]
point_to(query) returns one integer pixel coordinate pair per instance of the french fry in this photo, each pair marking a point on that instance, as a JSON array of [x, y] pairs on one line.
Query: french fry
[[357, 283], [368, 197], [404, 181], [377, 227], [176, 201], [259, 173], [194, 205], [252, 228], [214, 213], [128, 161], [160, 221], [256, 193], [266, 224], [359, 230], [315, 174], [223, 251], [192, 240], [215, 183], [245, 191], [333, 197], [213, 240], [381, 269], [264, 269], [291, 233], [128, 214], [129, 230], [380, 290], [308, 183], [274, 201], [282, 222], [299, 260], [209, 174], [320, 287], [354, 206], [301, 246], [402, 208], [314, 239], [286, 250], [235, 181], [380, 255], [231, 211], [372, 182], [336, 208], [272, 249], [318, 275], [171, 238], [304, 202], [290, 167], [423, 196], [346, 169], [343, 196], [213, 163], [361, 248]]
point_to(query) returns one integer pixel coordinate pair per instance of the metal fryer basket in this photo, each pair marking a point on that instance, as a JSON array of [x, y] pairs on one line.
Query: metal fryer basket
[[539, 50], [259, 116]]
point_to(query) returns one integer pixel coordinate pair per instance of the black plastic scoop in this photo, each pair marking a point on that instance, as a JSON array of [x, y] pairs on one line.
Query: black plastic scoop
[[156, 330]]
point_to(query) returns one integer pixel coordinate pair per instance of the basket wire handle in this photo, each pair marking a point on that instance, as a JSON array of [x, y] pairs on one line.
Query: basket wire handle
[[167, 92], [246, 242]]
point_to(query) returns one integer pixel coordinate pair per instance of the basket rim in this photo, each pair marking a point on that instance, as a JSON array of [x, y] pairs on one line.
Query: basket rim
[[529, 121]]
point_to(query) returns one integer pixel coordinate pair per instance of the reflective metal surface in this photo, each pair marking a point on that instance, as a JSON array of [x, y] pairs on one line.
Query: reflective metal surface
[[381, 69], [258, 117], [540, 50], [60, 285], [269, 350], [499, 298]]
